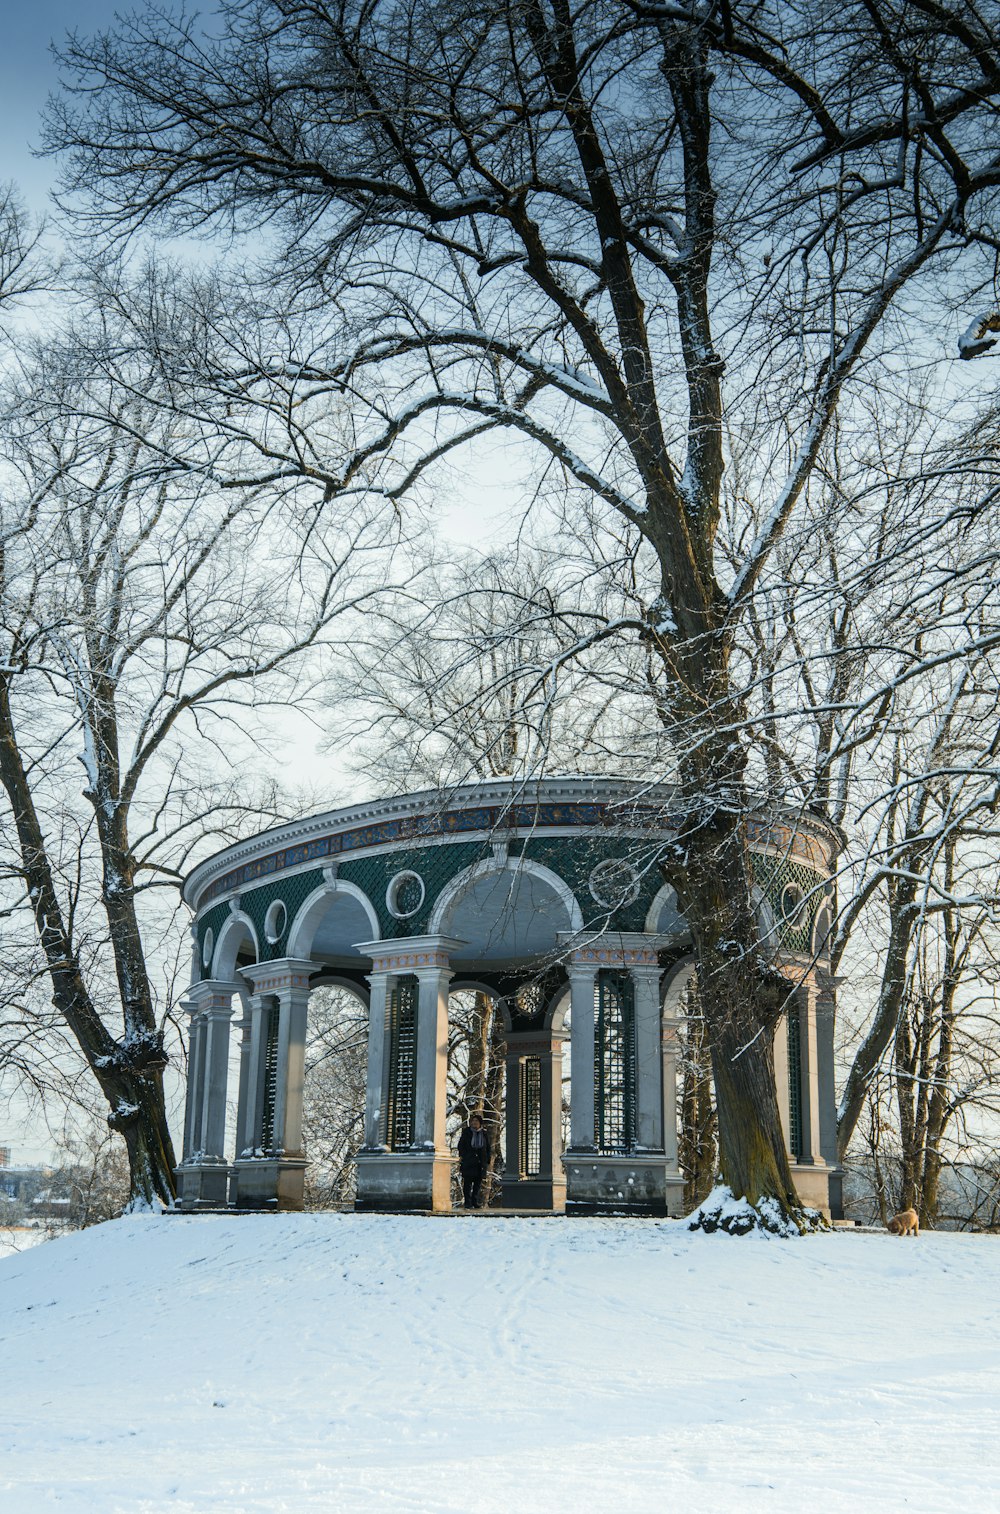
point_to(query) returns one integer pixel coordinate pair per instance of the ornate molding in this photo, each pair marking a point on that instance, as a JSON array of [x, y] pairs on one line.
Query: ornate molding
[[486, 811], [422, 818], [284, 973], [412, 954], [617, 956]]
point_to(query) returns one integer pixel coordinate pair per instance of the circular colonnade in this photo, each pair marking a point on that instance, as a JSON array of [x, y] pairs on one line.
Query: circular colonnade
[[548, 897]]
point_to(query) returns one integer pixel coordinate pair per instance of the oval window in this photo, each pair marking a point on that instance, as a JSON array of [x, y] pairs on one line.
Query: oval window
[[405, 895], [614, 883]]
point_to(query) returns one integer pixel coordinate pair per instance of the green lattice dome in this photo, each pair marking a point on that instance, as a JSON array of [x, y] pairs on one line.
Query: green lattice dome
[[506, 870]]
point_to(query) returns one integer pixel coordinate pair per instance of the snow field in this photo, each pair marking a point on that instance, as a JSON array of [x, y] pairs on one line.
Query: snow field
[[344, 1363]]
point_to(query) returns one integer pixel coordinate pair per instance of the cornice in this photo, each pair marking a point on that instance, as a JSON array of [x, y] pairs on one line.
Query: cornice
[[410, 820], [426, 804]]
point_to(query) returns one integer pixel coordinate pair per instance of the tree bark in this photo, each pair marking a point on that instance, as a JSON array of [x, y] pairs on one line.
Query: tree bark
[[741, 997]]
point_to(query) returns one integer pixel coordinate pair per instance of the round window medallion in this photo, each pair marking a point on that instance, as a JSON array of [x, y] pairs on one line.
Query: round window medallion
[[207, 947], [614, 883], [405, 895], [793, 904], [275, 921]]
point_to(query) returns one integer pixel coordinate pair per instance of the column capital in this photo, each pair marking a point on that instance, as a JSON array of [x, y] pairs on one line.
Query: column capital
[[410, 954], [613, 948], [283, 973], [211, 993]]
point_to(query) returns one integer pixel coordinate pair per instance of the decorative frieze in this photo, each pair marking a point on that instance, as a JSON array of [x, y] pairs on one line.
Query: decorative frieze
[[556, 805], [414, 954]]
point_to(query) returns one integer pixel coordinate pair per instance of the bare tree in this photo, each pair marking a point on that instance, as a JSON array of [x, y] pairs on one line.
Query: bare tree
[[334, 1100], [146, 610], [626, 232]]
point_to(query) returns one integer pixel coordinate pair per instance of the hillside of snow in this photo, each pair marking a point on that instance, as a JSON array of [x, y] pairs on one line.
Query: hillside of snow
[[343, 1363]]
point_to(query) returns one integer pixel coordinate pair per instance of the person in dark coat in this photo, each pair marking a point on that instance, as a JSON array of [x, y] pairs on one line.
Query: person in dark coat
[[474, 1160]]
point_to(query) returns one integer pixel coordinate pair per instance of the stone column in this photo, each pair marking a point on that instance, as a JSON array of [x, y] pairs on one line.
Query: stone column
[[810, 1171], [648, 1055], [274, 1178], [293, 1005], [811, 1152], [252, 1114], [825, 1025], [551, 1059], [204, 1171], [194, 1100], [379, 987], [432, 1059], [635, 1181], [671, 1055], [512, 1123], [419, 1178], [582, 978], [243, 1025], [780, 1055], [217, 1016]]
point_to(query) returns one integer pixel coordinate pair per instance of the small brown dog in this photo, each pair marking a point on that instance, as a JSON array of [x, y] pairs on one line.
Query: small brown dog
[[904, 1224]]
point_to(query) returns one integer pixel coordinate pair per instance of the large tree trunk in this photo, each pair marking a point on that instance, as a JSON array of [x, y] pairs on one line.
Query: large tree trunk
[[741, 995]]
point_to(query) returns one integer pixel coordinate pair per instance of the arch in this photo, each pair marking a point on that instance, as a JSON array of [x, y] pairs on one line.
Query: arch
[[555, 1012], [767, 924], [310, 915], [463, 983], [231, 937], [452, 891], [337, 980], [820, 943], [665, 897], [675, 980]]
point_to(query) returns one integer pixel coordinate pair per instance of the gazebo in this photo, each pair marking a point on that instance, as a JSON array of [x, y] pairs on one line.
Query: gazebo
[[548, 897]]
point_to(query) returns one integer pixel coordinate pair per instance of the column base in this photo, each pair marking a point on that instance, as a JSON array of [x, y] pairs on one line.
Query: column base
[[396, 1181], [268, 1183], [820, 1187], [546, 1194], [202, 1185], [634, 1184]]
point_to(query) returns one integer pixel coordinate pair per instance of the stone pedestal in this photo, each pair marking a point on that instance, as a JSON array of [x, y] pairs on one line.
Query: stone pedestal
[[396, 1181], [268, 1182], [203, 1184], [631, 1184], [813, 1183]]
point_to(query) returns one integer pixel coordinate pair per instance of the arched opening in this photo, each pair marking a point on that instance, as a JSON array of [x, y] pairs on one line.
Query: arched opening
[[237, 947], [691, 1092], [329, 925], [333, 1105], [513, 910], [477, 1080]]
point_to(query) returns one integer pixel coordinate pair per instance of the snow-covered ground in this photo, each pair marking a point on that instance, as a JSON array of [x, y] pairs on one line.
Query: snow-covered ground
[[16, 1238], [343, 1363]]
